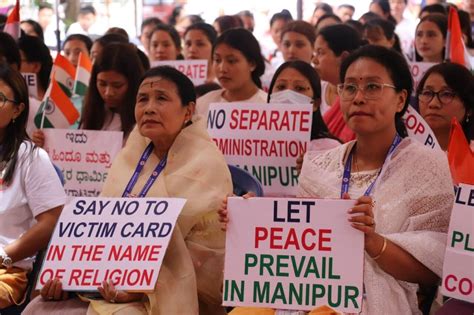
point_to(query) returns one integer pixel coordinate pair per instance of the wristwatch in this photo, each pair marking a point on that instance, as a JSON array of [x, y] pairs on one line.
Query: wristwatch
[[6, 260]]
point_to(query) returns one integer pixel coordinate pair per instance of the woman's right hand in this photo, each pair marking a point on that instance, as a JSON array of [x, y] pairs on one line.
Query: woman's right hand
[[38, 138], [53, 291], [223, 218]]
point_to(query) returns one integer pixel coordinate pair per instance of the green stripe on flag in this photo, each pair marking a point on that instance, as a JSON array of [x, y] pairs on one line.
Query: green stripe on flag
[[65, 89], [80, 88]]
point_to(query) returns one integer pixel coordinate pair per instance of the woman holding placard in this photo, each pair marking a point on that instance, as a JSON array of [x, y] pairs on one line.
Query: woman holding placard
[[404, 189], [165, 44], [238, 65], [168, 154], [31, 195], [199, 39], [446, 91], [430, 38]]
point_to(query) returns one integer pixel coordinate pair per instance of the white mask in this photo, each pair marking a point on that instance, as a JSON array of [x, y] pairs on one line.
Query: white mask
[[290, 97]]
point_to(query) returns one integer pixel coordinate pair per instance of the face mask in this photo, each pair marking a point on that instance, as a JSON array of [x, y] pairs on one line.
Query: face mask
[[290, 97]]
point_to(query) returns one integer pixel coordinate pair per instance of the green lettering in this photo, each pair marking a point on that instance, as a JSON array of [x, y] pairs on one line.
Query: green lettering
[[261, 294], [249, 263], [331, 275], [279, 294], [351, 294], [266, 261], [312, 268], [282, 264]]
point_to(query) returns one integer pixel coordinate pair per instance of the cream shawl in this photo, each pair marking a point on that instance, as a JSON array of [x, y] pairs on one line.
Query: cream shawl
[[414, 199], [193, 263]]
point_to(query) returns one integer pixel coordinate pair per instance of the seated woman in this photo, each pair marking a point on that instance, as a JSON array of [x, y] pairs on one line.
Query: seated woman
[[446, 91], [403, 189], [31, 194], [189, 281]]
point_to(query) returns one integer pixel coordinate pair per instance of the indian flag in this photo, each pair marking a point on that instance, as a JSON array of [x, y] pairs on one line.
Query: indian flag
[[12, 25], [83, 75], [455, 49], [56, 110], [64, 74]]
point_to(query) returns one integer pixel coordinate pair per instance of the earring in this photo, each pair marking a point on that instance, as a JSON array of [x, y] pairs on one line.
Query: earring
[[13, 120]]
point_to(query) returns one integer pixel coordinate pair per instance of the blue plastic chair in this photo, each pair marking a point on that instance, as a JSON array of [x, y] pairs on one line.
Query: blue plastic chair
[[244, 182]]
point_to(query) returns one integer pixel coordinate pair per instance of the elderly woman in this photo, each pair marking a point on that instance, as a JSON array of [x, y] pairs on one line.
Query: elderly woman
[[188, 165]]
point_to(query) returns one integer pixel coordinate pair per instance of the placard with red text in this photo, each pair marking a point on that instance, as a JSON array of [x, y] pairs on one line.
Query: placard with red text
[[121, 239], [84, 157], [293, 254], [458, 267], [195, 70], [418, 70], [263, 139], [418, 129]]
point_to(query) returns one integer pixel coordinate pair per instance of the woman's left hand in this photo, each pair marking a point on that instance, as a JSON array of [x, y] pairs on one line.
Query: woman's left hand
[[112, 295], [362, 215]]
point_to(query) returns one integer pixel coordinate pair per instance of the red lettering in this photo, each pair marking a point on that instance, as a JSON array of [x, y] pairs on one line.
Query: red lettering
[[292, 239], [234, 119], [420, 128], [243, 119], [275, 237], [74, 278], [304, 121], [323, 239], [261, 234], [303, 237], [274, 116], [253, 118]]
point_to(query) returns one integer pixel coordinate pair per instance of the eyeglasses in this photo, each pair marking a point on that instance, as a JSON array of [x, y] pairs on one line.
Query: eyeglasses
[[371, 90], [445, 97], [4, 100]]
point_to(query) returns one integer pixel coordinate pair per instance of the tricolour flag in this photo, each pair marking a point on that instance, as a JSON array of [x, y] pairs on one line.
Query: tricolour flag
[[64, 74], [56, 110], [83, 75], [460, 156], [12, 25], [456, 51]]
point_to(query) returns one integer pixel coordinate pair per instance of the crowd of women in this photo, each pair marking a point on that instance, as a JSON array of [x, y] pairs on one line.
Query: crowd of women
[[357, 78]]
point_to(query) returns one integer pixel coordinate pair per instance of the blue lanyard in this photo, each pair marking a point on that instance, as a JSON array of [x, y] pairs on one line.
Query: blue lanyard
[[158, 169], [347, 168]]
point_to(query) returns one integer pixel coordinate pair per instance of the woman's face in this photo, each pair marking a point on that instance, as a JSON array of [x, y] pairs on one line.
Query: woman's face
[[275, 30], [96, 50], [73, 48], [325, 61], [292, 79], [162, 47], [429, 42], [376, 36], [231, 67], [28, 29], [8, 109], [159, 111], [371, 116], [197, 45], [296, 46], [438, 114], [113, 87]]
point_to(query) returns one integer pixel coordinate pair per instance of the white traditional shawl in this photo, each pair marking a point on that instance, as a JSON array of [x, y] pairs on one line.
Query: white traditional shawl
[[414, 198], [193, 264]]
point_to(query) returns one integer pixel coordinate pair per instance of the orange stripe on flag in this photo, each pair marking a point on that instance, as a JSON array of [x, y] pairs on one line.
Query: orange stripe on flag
[[85, 62], [62, 101], [460, 156], [63, 63], [14, 16], [456, 46]]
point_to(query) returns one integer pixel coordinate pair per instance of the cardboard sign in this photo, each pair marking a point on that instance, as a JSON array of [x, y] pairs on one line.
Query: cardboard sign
[[32, 83], [458, 267], [418, 70], [84, 157], [195, 70], [122, 239], [263, 139], [419, 129], [292, 254]]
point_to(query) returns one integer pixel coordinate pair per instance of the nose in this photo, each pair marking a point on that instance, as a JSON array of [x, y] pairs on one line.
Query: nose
[[435, 102], [109, 91], [359, 96]]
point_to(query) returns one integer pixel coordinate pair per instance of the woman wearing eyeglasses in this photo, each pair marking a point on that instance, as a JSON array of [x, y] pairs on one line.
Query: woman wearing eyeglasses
[[446, 91], [403, 190]]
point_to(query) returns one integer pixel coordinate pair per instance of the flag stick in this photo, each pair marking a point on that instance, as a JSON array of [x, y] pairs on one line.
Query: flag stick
[[44, 112]]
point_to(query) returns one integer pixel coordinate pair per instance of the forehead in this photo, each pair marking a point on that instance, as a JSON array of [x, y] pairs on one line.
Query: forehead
[[291, 74], [195, 34], [111, 76], [6, 89], [157, 83], [161, 35], [436, 80], [224, 50], [366, 68], [75, 43], [428, 25], [320, 42], [295, 36]]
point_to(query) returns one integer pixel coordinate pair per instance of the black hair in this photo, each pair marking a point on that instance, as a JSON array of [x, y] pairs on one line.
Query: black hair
[[36, 51], [183, 84], [284, 15], [143, 59], [465, 21], [36, 27], [433, 8], [388, 29], [171, 31], [244, 41], [323, 6], [15, 132], [300, 27], [318, 128], [121, 58], [227, 22], [111, 38], [207, 29], [397, 68], [154, 21], [175, 15], [441, 22], [194, 18], [80, 37], [118, 30], [347, 6], [356, 25], [367, 16], [206, 88], [461, 81], [325, 17], [88, 9], [9, 51], [340, 38]]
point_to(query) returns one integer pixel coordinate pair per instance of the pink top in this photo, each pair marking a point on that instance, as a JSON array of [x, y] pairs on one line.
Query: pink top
[[336, 124]]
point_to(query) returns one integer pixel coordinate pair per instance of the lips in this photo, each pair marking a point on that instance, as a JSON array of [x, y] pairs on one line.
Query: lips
[[224, 79], [359, 114], [150, 122]]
